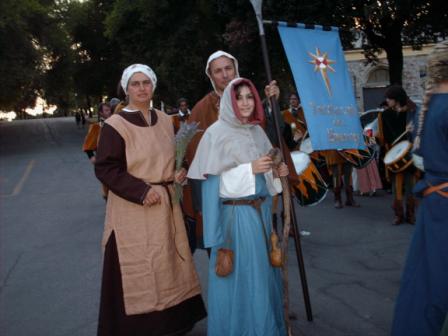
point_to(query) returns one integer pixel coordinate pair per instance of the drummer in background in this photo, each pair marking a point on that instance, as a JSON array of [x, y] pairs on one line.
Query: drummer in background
[[296, 131], [393, 123], [295, 123]]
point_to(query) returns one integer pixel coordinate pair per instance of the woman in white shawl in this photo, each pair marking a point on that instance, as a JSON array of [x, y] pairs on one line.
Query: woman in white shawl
[[238, 182]]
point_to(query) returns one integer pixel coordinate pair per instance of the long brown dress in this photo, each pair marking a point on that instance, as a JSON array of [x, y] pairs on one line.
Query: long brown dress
[[150, 286]]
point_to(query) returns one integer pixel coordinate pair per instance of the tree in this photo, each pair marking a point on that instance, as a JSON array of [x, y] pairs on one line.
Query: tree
[[390, 24], [387, 24], [35, 54], [20, 53], [96, 65], [174, 38]]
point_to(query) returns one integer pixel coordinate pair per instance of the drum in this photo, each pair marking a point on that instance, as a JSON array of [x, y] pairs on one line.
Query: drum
[[306, 146], [311, 188], [418, 162], [399, 157], [359, 158]]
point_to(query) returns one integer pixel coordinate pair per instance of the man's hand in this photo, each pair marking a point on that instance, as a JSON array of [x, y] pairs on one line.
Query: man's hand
[[282, 170], [272, 90]]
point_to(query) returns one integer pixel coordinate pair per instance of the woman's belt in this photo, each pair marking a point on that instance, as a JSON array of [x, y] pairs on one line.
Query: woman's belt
[[163, 183], [438, 189], [256, 203]]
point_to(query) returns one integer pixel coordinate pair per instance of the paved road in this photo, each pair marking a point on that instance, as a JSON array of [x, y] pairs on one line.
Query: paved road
[[50, 256]]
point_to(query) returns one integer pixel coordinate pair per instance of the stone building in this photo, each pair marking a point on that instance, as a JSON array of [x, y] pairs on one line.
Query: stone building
[[370, 81]]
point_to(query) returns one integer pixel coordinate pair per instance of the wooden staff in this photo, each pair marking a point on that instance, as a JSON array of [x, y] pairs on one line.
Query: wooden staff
[[257, 4]]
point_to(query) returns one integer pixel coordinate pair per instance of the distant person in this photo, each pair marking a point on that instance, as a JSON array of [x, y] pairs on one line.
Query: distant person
[[369, 180], [93, 134], [91, 140], [149, 282], [422, 304], [78, 119], [183, 113], [83, 119], [395, 125], [113, 103], [294, 117]]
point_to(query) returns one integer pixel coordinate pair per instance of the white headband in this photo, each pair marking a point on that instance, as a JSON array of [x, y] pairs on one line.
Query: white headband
[[218, 54], [134, 68]]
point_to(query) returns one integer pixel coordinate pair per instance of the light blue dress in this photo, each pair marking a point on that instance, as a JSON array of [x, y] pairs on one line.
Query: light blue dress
[[249, 300]]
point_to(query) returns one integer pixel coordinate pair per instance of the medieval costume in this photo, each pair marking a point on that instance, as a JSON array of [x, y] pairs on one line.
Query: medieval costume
[[237, 216], [294, 118], [391, 125], [205, 112], [149, 285], [422, 303], [369, 180], [91, 140], [180, 117], [338, 167], [90, 145]]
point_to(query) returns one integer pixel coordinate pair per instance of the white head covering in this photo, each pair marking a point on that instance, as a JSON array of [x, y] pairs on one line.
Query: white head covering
[[218, 54], [228, 142], [134, 68]]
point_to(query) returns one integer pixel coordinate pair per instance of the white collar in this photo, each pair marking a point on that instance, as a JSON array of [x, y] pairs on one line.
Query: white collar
[[184, 114], [129, 110]]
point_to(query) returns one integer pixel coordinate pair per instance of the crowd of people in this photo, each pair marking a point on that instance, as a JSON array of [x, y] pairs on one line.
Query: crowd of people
[[230, 201]]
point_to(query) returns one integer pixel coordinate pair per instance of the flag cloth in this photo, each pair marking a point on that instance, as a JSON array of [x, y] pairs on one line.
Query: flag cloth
[[320, 73]]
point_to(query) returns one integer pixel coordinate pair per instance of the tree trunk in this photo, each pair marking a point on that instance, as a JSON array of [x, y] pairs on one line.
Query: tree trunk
[[394, 52]]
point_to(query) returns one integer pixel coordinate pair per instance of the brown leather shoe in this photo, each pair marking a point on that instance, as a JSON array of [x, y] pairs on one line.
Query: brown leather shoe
[[399, 212], [410, 210], [350, 199], [337, 198]]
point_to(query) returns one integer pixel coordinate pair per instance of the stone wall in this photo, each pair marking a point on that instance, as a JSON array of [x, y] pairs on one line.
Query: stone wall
[[414, 74]]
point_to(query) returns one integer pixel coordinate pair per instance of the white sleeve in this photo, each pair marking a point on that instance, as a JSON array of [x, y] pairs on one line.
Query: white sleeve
[[274, 185], [237, 182]]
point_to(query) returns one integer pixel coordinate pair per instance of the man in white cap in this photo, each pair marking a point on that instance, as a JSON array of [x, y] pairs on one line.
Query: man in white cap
[[221, 68]]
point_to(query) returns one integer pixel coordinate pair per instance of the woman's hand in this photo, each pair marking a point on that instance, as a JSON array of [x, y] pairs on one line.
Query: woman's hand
[[180, 176], [153, 196], [262, 165], [282, 170]]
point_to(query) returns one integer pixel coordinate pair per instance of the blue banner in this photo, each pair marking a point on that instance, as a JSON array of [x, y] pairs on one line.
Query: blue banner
[[324, 86]]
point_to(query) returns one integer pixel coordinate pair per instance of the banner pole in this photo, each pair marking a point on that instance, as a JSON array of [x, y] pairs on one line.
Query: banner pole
[[276, 114]]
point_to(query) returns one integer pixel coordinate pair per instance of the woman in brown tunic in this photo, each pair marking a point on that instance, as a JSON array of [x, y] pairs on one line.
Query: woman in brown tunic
[[149, 286]]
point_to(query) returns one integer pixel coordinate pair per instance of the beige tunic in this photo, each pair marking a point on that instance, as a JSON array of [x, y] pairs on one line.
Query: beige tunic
[[154, 255]]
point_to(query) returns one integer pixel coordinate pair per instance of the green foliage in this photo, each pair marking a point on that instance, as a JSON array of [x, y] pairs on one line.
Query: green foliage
[[72, 53], [173, 37]]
